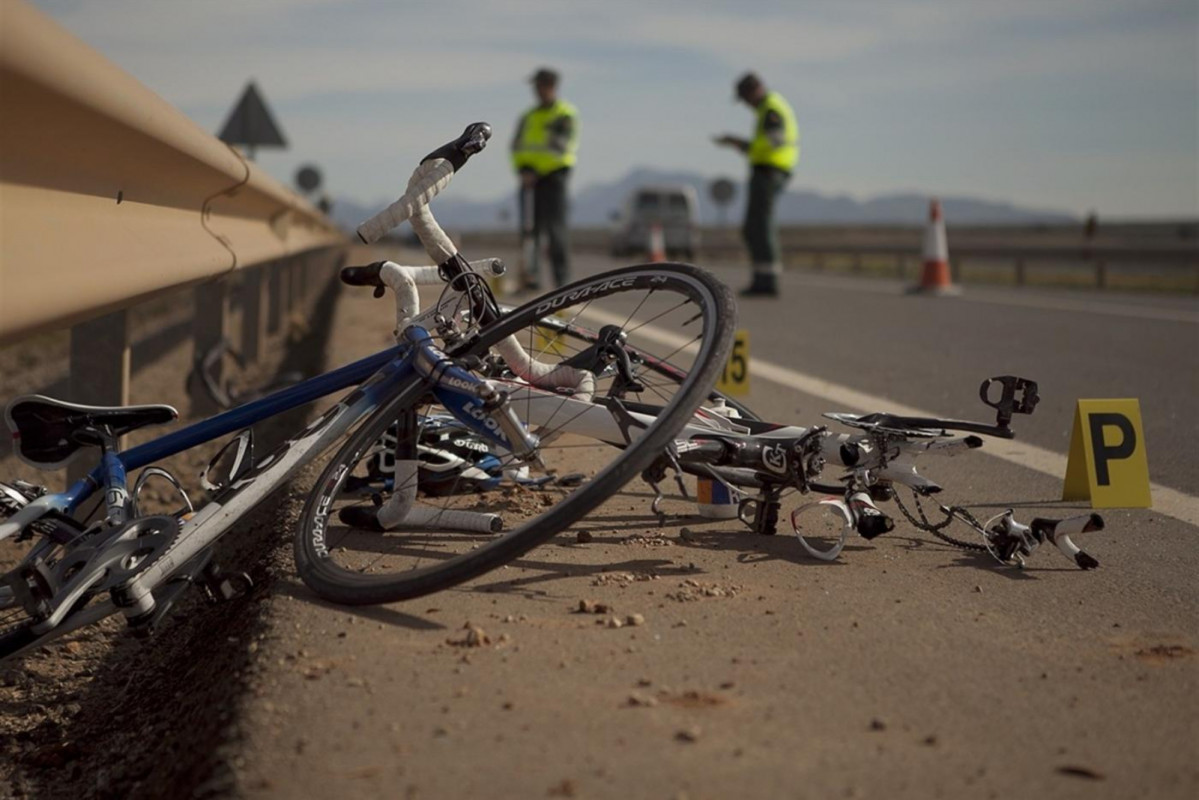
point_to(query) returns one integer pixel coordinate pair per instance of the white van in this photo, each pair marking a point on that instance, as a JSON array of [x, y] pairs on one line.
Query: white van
[[675, 208]]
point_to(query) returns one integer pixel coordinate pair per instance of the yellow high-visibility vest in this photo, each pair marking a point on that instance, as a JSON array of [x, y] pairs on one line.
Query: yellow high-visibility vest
[[540, 146], [763, 151]]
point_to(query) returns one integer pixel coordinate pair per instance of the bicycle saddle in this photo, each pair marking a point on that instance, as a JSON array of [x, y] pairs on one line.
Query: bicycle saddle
[[47, 432]]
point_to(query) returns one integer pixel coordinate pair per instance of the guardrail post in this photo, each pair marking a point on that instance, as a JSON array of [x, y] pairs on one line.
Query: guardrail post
[[99, 369], [1020, 276], [277, 310], [293, 290], [301, 272], [208, 329], [253, 296]]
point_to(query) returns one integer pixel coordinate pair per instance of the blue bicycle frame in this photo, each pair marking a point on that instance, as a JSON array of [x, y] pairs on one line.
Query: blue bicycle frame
[[455, 388], [396, 377], [112, 470]]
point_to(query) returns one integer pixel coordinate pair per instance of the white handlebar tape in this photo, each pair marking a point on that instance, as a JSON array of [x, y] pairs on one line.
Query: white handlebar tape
[[402, 510], [391, 273], [488, 266], [427, 180], [437, 243], [544, 376]]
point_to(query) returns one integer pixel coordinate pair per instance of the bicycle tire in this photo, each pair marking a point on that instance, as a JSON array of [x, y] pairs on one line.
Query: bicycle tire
[[314, 546]]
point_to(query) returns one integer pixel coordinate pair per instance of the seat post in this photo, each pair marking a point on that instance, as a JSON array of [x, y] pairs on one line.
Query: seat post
[[116, 489]]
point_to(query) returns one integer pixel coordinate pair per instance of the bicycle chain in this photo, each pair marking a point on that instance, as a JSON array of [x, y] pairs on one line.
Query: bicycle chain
[[936, 528]]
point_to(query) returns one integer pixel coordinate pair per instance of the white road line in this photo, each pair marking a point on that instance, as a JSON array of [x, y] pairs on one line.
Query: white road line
[[1167, 501]]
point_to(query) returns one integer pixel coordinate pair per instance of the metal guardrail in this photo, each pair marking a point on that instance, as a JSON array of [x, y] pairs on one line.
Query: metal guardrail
[[109, 195]]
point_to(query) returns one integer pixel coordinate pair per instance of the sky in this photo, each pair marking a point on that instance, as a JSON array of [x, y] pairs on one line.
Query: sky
[[1070, 105]]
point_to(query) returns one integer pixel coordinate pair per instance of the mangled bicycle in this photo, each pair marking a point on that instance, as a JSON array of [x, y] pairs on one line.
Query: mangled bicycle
[[756, 464]]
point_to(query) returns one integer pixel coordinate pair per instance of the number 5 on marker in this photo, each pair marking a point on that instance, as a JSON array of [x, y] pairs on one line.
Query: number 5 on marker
[[735, 377]]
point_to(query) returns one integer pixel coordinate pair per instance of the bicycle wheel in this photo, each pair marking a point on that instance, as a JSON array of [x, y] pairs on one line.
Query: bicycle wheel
[[677, 313]]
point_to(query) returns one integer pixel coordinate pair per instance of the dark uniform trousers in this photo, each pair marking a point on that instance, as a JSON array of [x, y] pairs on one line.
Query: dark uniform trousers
[[759, 231], [550, 207]]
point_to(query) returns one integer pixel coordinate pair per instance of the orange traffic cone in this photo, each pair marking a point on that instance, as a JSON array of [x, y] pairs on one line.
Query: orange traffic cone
[[657, 243], [935, 277]]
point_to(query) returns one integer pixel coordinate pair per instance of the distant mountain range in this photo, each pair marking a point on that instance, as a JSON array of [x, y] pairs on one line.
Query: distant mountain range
[[592, 206]]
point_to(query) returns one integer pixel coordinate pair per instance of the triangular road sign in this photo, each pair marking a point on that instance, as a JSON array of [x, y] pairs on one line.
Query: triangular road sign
[[251, 123]]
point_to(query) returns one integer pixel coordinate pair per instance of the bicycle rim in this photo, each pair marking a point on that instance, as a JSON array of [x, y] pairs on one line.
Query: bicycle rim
[[675, 313]]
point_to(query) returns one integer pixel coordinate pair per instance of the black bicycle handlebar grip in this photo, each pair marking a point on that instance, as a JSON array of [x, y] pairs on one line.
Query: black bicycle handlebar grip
[[457, 152], [364, 276]]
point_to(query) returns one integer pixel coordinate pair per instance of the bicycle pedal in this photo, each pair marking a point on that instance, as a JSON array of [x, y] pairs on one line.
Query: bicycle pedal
[[220, 586]]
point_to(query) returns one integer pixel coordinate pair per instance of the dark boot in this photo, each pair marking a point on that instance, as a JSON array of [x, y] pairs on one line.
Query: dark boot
[[764, 284]]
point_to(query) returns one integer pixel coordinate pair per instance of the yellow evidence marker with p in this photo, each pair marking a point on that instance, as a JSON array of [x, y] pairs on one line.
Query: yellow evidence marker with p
[[1107, 464]]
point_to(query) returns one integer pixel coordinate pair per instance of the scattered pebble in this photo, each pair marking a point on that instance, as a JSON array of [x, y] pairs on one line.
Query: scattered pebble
[[634, 620], [583, 537], [647, 540], [877, 724], [592, 607], [691, 590], [622, 579], [474, 637], [639, 700], [566, 788], [615, 622], [689, 734], [1081, 772], [692, 698], [1164, 652]]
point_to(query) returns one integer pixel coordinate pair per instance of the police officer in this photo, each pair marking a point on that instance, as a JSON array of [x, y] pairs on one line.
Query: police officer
[[543, 152], [773, 153]]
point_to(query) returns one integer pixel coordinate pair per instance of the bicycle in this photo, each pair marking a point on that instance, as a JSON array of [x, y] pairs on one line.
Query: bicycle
[[759, 463], [70, 573]]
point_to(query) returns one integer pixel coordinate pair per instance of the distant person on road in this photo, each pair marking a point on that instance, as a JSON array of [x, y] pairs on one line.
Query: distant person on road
[[773, 153], [543, 152]]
